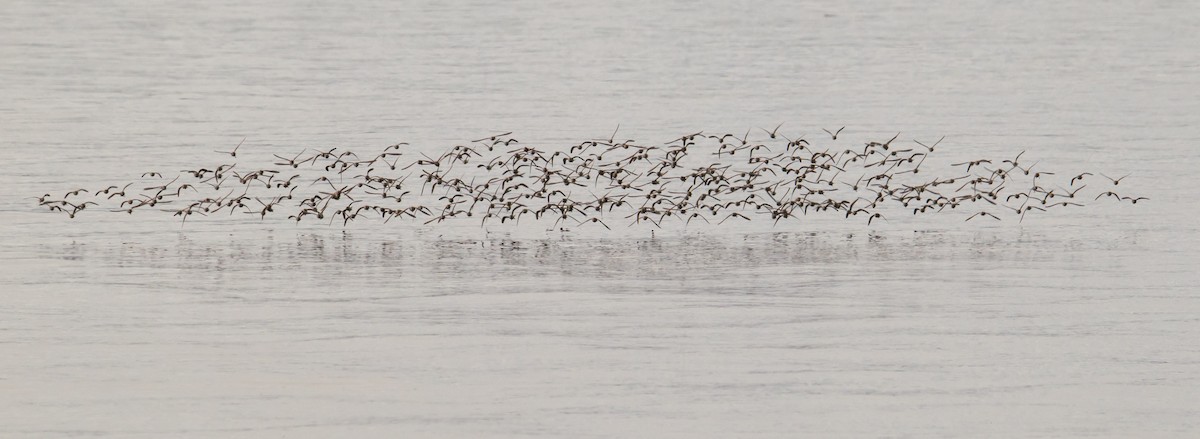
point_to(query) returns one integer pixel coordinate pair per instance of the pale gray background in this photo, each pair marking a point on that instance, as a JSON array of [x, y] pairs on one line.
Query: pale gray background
[[1078, 323]]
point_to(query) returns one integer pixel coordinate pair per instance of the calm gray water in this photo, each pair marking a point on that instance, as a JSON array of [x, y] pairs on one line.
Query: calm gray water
[[1076, 323]]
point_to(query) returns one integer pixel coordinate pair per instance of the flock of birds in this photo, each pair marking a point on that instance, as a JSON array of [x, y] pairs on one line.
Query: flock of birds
[[711, 178]]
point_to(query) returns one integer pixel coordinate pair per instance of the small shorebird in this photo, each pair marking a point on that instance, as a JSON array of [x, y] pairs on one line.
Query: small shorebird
[[234, 152], [834, 134], [983, 214], [1115, 181], [773, 132]]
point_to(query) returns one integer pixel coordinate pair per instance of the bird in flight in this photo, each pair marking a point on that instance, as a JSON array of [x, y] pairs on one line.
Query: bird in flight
[[772, 133], [234, 152], [834, 134]]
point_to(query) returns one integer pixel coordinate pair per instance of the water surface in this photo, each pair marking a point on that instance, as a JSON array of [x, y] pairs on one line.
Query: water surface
[[1075, 323]]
